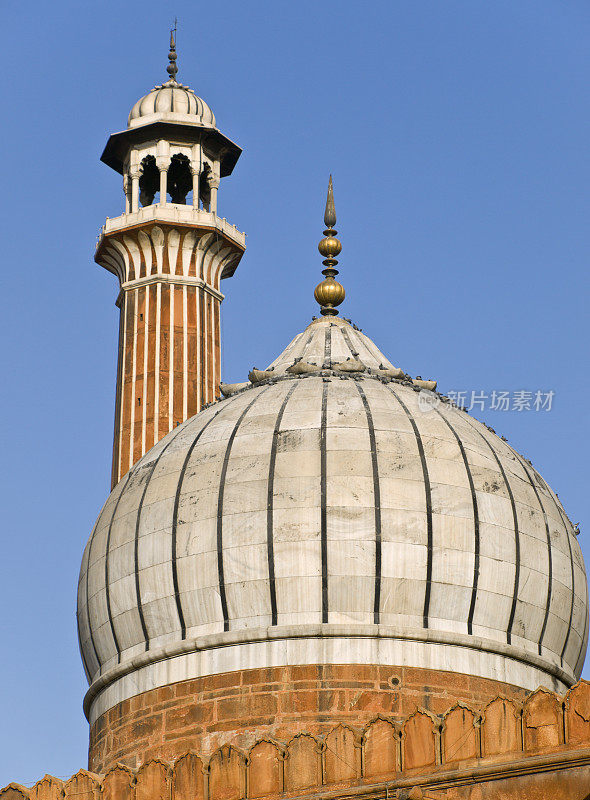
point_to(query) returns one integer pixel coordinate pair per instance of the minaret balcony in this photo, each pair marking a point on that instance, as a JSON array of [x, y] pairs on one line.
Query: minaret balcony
[[172, 213]]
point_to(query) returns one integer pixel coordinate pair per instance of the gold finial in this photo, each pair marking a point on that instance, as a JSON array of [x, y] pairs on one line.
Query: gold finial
[[172, 68], [329, 293]]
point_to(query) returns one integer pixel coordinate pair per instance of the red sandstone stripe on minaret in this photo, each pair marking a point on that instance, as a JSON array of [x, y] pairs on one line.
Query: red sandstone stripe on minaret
[[151, 369], [192, 352], [178, 358], [139, 361], [202, 350], [217, 347], [126, 398], [118, 406], [164, 372]]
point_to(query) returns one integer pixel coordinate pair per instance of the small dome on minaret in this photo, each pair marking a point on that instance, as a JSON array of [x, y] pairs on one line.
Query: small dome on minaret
[[171, 101]]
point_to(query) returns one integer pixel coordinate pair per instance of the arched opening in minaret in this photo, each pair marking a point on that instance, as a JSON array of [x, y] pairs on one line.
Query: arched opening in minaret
[[149, 181], [205, 188], [180, 179]]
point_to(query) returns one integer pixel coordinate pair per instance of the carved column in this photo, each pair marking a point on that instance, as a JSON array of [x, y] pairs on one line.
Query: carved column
[[134, 174], [163, 183], [214, 186], [126, 193], [195, 173]]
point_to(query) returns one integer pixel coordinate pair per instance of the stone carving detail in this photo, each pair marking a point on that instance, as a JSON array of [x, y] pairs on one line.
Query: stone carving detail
[[419, 740], [227, 774], [542, 721], [188, 778], [382, 752], [168, 250], [501, 730], [14, 791], [48, 788], [342, 755], [265, 769], [303, 763], [381, 749], [460, 734], [577, 711], [82, 786], [118, 784], [152, 781]]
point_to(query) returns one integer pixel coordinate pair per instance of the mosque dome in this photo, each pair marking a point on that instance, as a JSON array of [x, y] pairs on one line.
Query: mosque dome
[[331, 510]]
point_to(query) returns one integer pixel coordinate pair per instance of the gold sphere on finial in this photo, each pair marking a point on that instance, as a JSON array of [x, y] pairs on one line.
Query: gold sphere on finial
[[329, 247], [329, 293]]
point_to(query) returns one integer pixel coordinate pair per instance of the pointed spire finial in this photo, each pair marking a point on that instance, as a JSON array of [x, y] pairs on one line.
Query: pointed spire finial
[[329, 293], [172, 68], [330, 212]]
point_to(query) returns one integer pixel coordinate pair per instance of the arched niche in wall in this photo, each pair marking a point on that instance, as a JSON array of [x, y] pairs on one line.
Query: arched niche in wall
[[149, 181], [180, 180]]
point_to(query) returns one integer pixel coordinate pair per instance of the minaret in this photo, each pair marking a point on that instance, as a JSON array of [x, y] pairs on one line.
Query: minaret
[[169, 250]]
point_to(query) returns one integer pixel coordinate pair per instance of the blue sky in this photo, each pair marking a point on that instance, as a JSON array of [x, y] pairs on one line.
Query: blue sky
[[457, 133]]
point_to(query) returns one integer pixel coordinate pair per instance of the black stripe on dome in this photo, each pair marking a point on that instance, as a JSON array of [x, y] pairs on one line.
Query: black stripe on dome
[[323, 499], [371, 347], [346, 335], [427, 491], [542, 482], [175, 516], [84, 662], [475, 522], [270, 507], [361, 343], [306, 345], [220, 569], [88, 602], [106, 569], [328, 347], [516, 535], [550, 567], [136, 545], [573, 577], [376, 503], [582, 654]]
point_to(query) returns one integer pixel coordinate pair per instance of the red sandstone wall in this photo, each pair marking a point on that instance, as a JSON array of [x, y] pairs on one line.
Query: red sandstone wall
[[241, 707], [537, 750]]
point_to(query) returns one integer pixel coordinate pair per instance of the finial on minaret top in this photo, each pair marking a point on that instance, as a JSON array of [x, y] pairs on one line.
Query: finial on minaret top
[[172, 68], [329, 293]]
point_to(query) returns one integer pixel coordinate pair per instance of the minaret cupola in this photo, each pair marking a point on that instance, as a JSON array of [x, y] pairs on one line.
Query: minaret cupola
[[169, 250], [171, 148]]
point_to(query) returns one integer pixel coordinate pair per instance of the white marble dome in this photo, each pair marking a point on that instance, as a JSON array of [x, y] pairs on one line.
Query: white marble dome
[[171, 102], [339, 515]]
